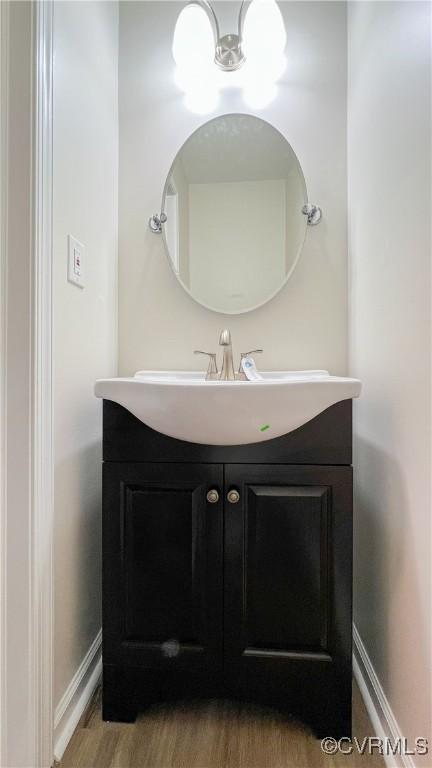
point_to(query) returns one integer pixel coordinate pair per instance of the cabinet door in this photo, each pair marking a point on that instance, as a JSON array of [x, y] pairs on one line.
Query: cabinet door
[[162, 574], [288, 588]]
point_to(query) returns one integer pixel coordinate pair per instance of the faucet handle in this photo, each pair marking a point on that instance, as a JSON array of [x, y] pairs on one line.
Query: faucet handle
[[245, 354], [212, 370]]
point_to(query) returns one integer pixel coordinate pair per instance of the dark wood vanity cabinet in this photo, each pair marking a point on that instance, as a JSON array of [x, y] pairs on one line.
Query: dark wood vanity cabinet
[[248, 598]]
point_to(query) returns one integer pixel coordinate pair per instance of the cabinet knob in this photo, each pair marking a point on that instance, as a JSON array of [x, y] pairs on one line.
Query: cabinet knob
[[233, 496], [212, 496]]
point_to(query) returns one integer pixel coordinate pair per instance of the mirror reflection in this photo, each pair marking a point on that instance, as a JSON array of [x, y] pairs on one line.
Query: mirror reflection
[[233, 201]]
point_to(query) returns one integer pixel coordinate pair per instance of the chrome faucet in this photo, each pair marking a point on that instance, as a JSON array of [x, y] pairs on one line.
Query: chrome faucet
[[227, 370]]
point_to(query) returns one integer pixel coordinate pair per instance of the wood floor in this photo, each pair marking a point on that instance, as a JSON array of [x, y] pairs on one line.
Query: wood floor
[[209, 735]]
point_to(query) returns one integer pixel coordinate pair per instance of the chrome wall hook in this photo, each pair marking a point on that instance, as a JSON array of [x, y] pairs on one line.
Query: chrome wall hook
[[313, 213], [155, 223]]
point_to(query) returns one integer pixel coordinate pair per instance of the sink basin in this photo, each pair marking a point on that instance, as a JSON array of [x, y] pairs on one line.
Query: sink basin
[[185, 406]]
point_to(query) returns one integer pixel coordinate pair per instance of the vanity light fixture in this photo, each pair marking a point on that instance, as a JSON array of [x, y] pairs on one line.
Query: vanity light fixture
[[207, 61], [195, 34]]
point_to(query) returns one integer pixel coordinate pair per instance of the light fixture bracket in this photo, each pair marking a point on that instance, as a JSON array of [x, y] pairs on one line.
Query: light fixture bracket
[[229, 54]]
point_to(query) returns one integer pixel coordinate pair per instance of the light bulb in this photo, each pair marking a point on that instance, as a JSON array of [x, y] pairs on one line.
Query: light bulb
[[270, 70], [193, 42], [193, 51], [263, 31]]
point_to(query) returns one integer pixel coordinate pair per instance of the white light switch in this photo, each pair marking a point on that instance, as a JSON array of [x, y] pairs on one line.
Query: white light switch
[[76, 253]]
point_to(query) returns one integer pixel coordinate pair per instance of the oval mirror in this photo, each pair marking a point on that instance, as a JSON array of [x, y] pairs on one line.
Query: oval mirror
[[233, 201]]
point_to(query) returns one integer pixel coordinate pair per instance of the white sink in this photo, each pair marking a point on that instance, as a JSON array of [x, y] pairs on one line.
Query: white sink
[[185, 406]]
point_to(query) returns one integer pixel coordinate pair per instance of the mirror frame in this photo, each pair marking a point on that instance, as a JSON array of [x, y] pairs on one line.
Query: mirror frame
[[301, 246]]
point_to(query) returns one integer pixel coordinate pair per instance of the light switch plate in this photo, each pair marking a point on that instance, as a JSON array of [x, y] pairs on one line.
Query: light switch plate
[[76, 253]]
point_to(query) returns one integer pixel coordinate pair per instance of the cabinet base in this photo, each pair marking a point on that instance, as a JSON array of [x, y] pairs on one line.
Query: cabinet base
[[119, 702], [125, 692]]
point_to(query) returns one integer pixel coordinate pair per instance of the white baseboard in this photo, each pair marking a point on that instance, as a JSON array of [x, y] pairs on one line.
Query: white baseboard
[[379, 710], [77, 696]]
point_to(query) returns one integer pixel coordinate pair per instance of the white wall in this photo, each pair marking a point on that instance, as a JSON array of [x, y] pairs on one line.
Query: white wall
[[85, 205], [389, 163], [305, 325]]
